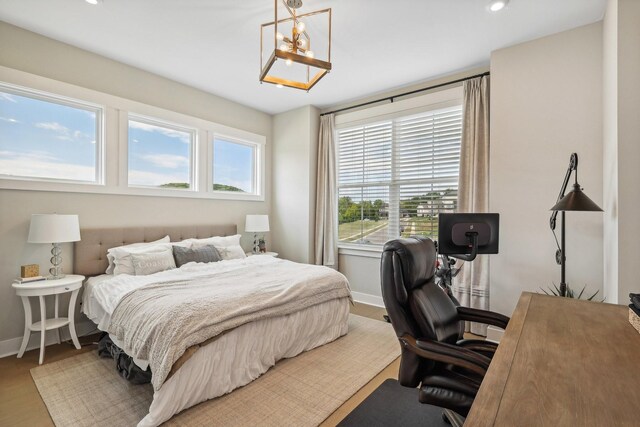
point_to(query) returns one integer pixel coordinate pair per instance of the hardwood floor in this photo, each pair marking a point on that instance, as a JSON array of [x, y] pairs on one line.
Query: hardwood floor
[[21, 405]]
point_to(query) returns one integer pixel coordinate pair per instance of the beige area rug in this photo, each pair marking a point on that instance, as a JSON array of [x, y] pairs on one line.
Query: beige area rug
[[86, 390]]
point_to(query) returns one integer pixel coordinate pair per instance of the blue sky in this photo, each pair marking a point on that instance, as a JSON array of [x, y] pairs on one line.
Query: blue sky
[[233, 165], [48, 140]]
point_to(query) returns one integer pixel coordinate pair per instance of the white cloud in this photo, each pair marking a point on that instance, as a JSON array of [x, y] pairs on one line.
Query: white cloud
[[137, 177], [7, 97], [225, 173], [183, 136], [32, 155], [42, 165], [9, 120], [64, 133], [53, 126], [166, 160]]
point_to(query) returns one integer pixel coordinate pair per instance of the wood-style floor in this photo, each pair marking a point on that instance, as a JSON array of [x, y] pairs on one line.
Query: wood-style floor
[[21, 405]]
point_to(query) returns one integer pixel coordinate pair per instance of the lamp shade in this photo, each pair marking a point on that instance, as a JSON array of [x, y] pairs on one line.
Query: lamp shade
[[576, 200], [54, 228], [257, 224]]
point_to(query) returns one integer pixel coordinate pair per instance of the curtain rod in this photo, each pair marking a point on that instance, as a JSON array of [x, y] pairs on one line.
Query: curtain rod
[[391, 98]]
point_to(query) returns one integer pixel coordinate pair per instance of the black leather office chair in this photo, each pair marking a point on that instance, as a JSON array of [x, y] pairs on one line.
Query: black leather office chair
[[447, 368]]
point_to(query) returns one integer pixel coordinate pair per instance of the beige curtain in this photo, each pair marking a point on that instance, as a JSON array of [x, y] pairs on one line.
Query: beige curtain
[[471, 287], [326, 250]]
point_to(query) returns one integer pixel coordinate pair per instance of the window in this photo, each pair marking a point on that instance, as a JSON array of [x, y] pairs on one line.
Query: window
[[160, 154], [235, 166], [396, 176], [58, 137], [51, 138]]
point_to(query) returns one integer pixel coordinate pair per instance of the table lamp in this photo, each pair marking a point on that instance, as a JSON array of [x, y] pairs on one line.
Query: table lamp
[[54, 229], [256, 224]]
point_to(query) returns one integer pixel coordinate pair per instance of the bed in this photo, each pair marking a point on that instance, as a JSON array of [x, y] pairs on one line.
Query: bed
[[222, 352]]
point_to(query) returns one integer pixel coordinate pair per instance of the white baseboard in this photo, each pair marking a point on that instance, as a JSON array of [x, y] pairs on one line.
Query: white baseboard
[[494, 334], [12, 345], [367, 299]]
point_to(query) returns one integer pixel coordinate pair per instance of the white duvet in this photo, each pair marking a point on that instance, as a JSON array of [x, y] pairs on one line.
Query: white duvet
[[237, 357]]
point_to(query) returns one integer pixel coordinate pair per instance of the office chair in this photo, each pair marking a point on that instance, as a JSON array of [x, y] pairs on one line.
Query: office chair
[[434, 356]]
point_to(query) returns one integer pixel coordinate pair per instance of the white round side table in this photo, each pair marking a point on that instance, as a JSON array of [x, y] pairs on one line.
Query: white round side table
[[70, 283]]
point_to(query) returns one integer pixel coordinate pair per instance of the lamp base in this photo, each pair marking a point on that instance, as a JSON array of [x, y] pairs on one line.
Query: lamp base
[[256, 244], [56, 260]]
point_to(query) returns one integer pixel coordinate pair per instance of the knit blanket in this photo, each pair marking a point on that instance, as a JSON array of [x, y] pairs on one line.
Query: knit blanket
[[160, 321]]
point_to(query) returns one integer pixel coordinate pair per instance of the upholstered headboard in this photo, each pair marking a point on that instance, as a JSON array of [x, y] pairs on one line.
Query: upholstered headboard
[[90, 253]]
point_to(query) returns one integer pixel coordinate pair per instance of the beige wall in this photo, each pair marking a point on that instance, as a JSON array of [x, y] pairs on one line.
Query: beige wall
[[32, 53], [295, 141], [622, 146], [610, 149], [546, 102]]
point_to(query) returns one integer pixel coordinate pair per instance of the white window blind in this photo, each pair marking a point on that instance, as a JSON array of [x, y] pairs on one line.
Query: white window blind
[[396, 176]]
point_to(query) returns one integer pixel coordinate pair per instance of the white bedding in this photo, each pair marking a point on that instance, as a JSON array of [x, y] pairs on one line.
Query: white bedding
[[237, 357]]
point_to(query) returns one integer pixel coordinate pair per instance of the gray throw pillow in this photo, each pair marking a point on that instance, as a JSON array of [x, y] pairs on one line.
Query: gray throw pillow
[[207, 253]]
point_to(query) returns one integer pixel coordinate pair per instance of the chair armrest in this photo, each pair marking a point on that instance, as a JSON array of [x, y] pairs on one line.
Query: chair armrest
[[481, 346], [483, 316], [447, 353]]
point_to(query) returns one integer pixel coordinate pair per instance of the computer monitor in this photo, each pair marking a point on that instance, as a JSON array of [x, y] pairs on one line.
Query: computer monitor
[[457, 231]]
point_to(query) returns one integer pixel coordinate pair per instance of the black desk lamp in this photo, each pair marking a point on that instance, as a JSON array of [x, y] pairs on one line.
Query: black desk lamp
[[576, 200]]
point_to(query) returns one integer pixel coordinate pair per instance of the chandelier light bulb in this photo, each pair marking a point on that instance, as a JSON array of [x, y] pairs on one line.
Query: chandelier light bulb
[[301, 26], [497, 5], [284, 47], [279, 36], [309, 54], [279, 86], [289, 62], [93, 2]]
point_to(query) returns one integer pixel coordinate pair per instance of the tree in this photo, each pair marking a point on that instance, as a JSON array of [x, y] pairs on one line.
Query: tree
[[344, 203], [224, 187], [175, 185], [352, 213]]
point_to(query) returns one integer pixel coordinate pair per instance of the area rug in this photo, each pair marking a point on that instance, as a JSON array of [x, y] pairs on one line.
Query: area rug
[[394, 405], [86, 390]]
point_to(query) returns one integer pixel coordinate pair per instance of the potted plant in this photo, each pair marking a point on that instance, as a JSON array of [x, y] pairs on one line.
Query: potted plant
[[570, 293]]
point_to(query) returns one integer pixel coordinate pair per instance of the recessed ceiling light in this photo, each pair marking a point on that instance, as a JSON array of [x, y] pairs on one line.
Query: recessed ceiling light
[[93, 2], [497, 5]]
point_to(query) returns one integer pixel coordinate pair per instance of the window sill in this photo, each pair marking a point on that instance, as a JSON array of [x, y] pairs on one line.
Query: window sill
[[77, 187], [360, 250]]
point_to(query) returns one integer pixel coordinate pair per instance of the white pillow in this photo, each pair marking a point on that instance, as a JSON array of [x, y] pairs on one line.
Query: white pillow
[[228, 247], [123, 261], [152, 262], [111, 257]]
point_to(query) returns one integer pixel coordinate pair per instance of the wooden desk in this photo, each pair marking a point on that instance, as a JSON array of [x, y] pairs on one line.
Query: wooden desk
[[562, 362]]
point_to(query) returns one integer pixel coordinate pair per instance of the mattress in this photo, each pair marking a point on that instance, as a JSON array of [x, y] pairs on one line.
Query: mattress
[[232, 360]]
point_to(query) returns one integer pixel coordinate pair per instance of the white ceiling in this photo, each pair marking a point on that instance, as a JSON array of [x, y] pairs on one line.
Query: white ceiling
[[378, 45]]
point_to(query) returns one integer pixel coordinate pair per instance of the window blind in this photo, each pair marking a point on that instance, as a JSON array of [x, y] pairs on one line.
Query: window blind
[[396, 176]]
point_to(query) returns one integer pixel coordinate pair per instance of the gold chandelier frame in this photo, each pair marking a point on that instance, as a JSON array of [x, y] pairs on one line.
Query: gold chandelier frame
[[323, 66]]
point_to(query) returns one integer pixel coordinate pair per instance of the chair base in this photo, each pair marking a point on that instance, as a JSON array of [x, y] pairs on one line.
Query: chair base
[[452, 418]]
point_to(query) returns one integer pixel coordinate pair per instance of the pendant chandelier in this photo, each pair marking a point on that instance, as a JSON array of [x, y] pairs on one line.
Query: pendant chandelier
[[292, 60]]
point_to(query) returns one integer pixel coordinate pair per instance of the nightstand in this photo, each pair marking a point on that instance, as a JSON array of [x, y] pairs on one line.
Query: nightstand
[[71, 283], [273, 254]]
